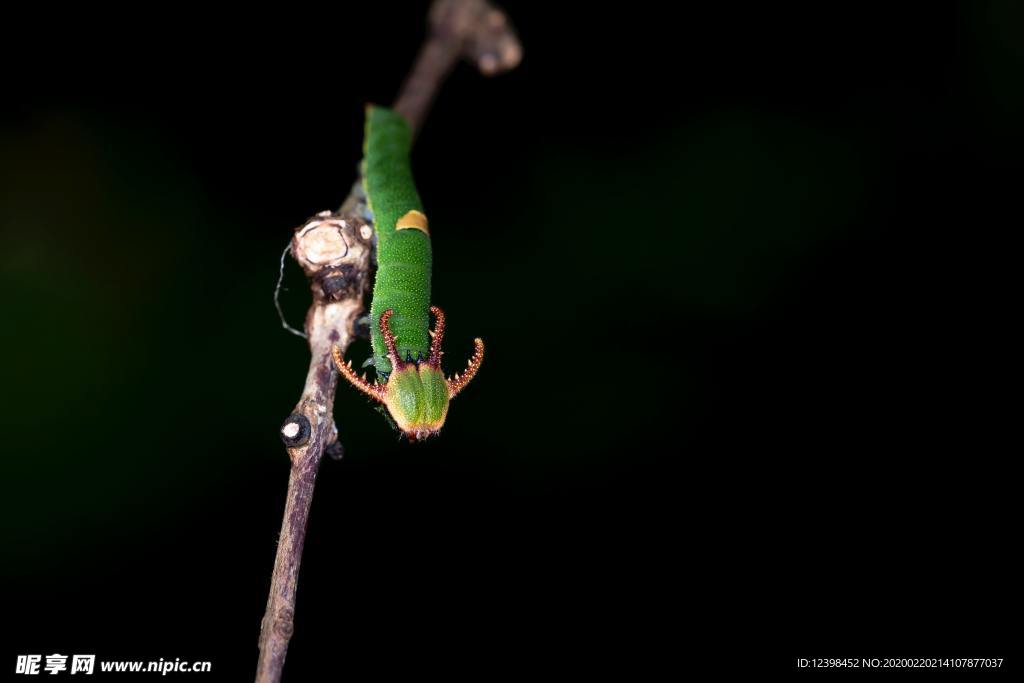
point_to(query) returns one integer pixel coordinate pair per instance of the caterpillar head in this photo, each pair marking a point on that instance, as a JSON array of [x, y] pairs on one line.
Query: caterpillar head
[[416, 395], [417, 399]]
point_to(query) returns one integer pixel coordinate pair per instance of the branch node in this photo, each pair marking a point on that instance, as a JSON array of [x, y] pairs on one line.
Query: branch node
[[335, 451], [295, 431]]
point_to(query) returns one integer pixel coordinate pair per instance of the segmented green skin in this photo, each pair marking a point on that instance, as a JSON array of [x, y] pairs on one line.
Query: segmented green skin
[[403, 256]]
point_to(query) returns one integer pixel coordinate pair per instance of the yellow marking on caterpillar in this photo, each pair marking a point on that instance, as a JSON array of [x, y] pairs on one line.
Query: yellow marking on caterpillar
[[414, 220]]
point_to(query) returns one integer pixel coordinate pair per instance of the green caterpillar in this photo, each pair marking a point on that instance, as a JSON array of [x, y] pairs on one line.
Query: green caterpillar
[[406, 353]]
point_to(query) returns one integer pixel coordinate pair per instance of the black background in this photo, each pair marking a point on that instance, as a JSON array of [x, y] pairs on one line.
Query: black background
[[746, 282]]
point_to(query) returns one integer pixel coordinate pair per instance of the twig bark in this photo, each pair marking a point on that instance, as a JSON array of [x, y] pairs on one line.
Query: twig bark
[[472, 29], [335, 250]]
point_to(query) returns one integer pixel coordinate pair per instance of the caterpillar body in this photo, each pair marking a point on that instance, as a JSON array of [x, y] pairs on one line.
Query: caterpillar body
[[406, 352]]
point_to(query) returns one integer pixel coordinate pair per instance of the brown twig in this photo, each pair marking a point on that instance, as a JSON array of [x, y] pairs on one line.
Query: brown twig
[[472, 29], [334, 250]]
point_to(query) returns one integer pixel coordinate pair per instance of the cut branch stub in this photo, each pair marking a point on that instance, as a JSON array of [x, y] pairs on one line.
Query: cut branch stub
[[295, 430], [334, 250]]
